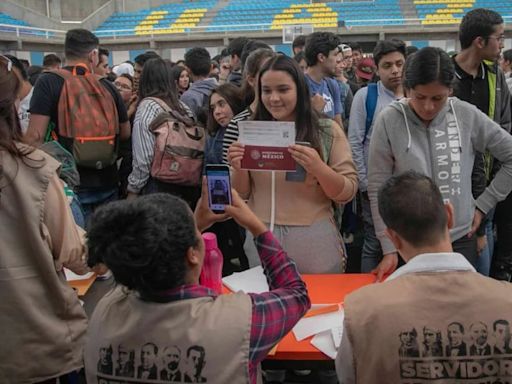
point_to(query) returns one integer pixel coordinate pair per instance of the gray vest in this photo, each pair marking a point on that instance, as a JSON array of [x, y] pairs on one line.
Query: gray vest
[[445, 327], [202, 340], [42, 325]]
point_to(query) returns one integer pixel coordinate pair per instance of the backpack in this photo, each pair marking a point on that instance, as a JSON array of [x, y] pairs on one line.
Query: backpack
[[88, 119], [179, 147], [371, 105]]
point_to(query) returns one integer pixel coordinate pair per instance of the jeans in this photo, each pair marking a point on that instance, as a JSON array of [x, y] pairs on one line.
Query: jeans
[[502, 260], [77, 211], [93, 198], [466, 246], [484, 259], [190, 194], [371, 253]]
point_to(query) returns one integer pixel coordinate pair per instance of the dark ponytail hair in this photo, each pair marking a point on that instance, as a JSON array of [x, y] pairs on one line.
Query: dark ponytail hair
[[148, 253], [428, 65], [157, 81]]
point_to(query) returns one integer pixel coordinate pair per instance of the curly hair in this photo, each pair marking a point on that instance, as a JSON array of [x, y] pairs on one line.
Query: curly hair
[[144, 242]]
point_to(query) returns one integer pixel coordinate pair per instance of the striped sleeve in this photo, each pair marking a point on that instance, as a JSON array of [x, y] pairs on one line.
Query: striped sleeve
[[143, 142], [231, 134]]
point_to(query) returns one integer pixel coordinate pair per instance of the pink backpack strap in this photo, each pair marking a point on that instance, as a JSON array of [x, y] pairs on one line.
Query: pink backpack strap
[[160, 102]]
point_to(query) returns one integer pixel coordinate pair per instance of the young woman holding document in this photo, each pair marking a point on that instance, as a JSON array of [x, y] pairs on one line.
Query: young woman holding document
[[300, 210]]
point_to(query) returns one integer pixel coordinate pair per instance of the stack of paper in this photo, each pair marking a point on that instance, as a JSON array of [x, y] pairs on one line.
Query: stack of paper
[[327, 328], [326, 325], [251, 281], [72, 276]]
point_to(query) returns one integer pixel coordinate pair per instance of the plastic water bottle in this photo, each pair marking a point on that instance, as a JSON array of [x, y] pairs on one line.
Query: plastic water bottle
[[211, 274]]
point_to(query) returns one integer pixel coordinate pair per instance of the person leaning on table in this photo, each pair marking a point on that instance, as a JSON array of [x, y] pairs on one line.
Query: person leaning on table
[[385, 324], [156, 261]]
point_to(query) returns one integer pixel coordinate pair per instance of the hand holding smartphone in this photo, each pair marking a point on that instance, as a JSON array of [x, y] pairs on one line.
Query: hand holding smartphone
[[219, 187]]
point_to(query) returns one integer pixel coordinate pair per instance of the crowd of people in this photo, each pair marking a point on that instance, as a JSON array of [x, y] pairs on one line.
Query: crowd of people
[[102, 169]]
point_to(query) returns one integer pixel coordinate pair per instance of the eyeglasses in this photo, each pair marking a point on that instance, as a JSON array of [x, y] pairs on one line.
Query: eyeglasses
[[9, 63], [500, 38], [124, 87]]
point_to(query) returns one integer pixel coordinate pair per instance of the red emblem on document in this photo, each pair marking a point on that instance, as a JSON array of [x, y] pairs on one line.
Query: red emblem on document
[[267, 158]]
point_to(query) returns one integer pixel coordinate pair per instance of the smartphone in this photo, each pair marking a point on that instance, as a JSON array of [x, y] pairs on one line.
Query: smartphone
[[219, 187], [299, 175]]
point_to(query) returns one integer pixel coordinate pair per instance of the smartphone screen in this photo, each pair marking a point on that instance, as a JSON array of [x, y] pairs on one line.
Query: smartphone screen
[[219, 187]]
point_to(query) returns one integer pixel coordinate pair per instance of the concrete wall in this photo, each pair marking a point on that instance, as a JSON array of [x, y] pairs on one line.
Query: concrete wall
[[77, 10], [36, 5], [22, 10], [134, 5], [91, 12]]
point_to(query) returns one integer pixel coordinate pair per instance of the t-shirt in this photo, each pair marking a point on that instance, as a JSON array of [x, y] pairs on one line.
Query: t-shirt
[[45, 101], [474, 90], [330, 93]]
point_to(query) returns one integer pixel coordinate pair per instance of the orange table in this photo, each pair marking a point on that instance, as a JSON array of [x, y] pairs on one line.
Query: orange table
[[322, 289], [82, 286]]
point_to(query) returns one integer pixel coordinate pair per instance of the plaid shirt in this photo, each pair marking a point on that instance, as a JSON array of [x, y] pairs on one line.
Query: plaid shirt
[[274, 313]]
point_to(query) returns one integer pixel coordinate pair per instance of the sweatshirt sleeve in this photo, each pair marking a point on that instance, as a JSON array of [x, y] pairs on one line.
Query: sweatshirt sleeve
[[487, 135], [380, 168], [340, 160], [356, 134]]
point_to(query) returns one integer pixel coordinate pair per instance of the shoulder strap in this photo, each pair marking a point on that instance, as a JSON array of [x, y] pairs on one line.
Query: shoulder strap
[[62, 73], [187, 121], [160, 102], [326, 138], [371, 104], [492, 82]]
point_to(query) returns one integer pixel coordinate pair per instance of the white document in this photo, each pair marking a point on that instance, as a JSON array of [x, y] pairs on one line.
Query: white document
[[267, 133], [337, 334], [325, 344], [313, 325], [251, 281], [73, 276]]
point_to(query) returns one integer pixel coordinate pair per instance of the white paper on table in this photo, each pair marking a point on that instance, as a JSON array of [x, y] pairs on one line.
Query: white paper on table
[[73, 276], [337, 334], [312, 325], [251, 281], [325, 344], [267, 133]]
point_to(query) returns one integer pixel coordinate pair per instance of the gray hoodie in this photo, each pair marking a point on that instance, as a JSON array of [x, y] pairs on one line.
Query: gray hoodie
[[444, 151], [196, 97]]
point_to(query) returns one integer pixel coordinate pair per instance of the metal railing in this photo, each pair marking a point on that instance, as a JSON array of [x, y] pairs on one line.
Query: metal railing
[[22, 31]]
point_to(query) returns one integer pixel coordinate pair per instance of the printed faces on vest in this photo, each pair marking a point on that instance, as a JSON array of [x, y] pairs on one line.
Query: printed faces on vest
[[151, 363], [478, 352]]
